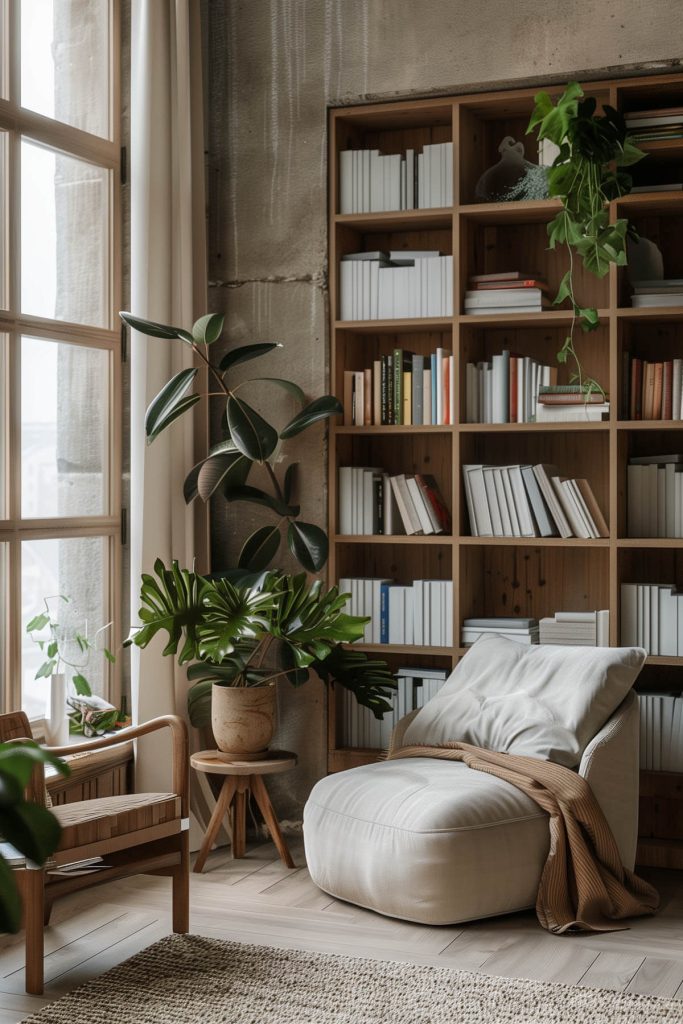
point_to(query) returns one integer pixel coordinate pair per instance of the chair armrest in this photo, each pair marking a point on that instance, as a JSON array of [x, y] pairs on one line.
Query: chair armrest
[[181, 750], [611, 766]]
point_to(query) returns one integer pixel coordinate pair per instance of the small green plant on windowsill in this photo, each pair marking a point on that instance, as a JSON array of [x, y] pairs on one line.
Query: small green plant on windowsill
[[64, 646], [587, 174]]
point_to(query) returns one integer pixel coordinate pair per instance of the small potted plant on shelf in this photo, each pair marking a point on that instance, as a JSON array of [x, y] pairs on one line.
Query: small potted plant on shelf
[[239, 638], [586, 175], [64, 647]]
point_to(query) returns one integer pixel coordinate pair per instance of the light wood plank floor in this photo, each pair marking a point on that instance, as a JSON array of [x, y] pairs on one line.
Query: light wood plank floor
[[258, 900]]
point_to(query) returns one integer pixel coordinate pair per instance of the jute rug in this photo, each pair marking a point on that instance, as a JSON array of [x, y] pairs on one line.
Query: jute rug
[[187, 979]]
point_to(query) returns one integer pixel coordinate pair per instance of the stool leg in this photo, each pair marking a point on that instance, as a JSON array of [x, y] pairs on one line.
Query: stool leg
[[219, 812], [239, 828], [260, 792]]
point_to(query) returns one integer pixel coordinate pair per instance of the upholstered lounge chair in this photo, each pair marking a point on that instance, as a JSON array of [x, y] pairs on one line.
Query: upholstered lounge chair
[[436, 842]]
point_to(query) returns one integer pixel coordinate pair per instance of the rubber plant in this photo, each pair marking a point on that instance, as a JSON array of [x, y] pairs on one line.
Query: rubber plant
[[586, 175], [248, 439], [249, 633]]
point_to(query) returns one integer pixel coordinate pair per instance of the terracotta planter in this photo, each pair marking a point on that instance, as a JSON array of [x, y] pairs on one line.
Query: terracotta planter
[[243, 720]]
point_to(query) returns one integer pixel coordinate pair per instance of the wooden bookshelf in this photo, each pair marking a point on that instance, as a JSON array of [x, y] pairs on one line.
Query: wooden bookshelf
[[492, 575]]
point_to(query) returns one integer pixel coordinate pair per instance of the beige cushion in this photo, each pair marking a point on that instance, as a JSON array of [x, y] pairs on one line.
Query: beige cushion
[[425, 840], [540, 701]]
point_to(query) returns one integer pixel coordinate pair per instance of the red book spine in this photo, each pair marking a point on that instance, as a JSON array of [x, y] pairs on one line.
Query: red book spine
[[433, 496]]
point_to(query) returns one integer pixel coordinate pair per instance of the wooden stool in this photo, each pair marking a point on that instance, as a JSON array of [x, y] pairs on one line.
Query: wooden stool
[[241, 779]]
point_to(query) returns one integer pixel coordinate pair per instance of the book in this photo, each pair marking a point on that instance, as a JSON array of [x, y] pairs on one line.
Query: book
[[505, 275]]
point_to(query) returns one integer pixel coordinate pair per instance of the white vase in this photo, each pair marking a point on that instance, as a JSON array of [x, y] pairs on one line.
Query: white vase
[[57, 725]]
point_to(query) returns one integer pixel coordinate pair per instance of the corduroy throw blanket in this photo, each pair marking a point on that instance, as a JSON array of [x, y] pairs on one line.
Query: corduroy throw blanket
[[584, 886]]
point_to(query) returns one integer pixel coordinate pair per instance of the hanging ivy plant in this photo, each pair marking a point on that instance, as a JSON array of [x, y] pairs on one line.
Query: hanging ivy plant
[[586, 175]]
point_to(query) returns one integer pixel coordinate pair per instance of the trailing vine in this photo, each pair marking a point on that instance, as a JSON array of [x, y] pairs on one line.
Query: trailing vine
[[586, 176]]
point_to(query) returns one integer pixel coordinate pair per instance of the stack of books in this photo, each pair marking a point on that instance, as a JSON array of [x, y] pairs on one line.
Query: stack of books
[[663, 292], [567, 403], [402, 284], [652, 617], [530, 501], [401, 388], [420, 614], [655, 496], [370, 182], [655, 390], [576, 629], [373, 502], [524, 631], [661, 732], [415, 686], [655, 125], [505, 389], [507, 292]]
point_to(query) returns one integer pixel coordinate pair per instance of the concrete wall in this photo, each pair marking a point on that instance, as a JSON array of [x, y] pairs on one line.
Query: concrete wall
[[274, 67]]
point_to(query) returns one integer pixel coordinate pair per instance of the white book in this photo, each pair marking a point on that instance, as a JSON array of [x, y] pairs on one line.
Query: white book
[[448, 311], [677, 736], [427, 412], [669, 473], [345, 500], [660, 522], [602, 638], [571, 413], [346, 181], [376, 190], [436, 598], [651, 493], [427, 614], [448, 197], [678, 510], [448, 591], [469, 499], [346, 290], [420, 505], [410, 179], [420, 181], [543, 474], [491, 298], [411, 521], [367, 609], [586, 517], [475, 493], [418, 612], [432, 269], [365, 181], [509, 498], [576, 617], [396, 612], [369, 522], [521, 500], [506, 521], [667, 614], [569, 508], [434, 175], [395, 179], [403, 186], [633, 500], [492, 501], [500, 383], [408, 617]]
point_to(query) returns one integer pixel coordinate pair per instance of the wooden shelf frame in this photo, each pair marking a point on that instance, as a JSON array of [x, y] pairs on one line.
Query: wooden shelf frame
[[496, 575]]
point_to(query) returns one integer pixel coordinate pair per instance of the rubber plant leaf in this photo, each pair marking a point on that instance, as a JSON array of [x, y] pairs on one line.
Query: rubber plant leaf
[[320, 409], [208, 328], [154, 330], [309, 545], [260, 548], [170, 403], [245, 353], [254, 437]]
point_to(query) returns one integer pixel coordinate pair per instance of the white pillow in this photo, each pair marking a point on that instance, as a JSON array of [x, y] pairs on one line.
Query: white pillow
[[541, 701]]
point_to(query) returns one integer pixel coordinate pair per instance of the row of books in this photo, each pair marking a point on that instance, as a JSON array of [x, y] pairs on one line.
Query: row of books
[[395, 286], [415, 686], [661, 732], [656, 123], [506, 292], [370, 182], [505, 389], [530, 501], [589, 629], [655, 390], [659, 292], [419, 614], [401, 388], [372, 502], [652, 617], [655, 496], [575, 629]]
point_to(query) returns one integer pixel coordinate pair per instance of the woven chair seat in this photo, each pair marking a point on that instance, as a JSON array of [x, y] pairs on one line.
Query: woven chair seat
[[90, 821]]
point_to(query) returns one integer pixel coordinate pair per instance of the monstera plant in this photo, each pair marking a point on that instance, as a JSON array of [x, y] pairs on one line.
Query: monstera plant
[[248, 439], [588, 172], [250, 633]]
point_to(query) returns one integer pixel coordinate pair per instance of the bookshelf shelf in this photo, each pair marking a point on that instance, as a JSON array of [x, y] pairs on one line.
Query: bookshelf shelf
[[414, 325], [493, 576], [398, 220], [439, 540]]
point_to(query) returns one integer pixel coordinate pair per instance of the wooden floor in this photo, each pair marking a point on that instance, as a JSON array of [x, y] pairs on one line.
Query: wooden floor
[[258, 900]]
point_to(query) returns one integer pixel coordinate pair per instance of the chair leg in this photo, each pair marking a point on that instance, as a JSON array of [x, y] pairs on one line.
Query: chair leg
[[181, 888], [34, 897]]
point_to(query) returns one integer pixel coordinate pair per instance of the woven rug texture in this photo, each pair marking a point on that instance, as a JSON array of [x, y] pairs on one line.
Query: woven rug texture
[[188, 979]]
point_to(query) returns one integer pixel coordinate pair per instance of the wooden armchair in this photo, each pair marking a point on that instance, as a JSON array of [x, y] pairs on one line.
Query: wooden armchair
[[136, 833]]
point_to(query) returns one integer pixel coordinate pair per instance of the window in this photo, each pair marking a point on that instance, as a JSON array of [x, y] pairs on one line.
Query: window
[[60, 359]]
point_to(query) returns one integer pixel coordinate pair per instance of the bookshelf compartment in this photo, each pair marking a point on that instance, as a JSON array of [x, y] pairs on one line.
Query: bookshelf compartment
[[398, 562], [532, 581], [658, 220], [651, 340], [634, 443], [479, 344], [490, 248], [567, 450]]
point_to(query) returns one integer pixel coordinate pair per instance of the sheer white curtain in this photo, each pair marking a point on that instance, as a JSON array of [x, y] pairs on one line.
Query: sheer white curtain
[[168, 284]]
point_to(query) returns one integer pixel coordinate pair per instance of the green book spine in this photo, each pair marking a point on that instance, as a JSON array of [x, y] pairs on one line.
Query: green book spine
[[398, 385]]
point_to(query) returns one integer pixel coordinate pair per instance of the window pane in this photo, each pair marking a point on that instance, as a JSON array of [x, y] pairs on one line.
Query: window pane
[[64, 429], [3, 220], [4, 427], [65, 269], [75, 568], [65, 61]]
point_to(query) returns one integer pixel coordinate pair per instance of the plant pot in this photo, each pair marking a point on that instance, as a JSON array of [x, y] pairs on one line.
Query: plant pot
[[57, 724], [243, 720]]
